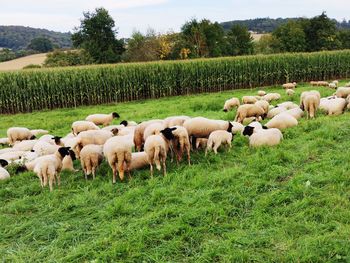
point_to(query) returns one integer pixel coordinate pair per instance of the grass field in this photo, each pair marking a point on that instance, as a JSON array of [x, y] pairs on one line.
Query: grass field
[[239, 206], [19, 63]]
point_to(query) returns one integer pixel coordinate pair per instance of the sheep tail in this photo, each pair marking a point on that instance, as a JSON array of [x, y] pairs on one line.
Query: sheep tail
[[156, 157]]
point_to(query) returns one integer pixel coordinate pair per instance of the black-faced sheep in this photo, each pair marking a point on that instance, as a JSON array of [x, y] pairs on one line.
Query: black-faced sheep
[[102, 119]]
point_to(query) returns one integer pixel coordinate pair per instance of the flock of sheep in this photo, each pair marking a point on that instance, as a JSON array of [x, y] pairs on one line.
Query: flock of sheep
[[155, 139]]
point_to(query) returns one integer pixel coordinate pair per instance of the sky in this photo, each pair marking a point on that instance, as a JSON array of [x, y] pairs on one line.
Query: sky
[[160, 15]]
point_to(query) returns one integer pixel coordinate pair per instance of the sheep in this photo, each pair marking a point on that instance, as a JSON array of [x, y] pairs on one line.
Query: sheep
[[347, 85], [44, 148], [153, 129], [175, 121], [322, 83], [91, 157], [282, 121], [313, 83], [6, 150], [216, 138], [271, 96], [289, 85], [236, 127], [201, 143], [27, 157], [48, 138], [138, 160], [263, 104], [332, 85], [12, 156], [333, 106], [307, 93], [128, 123], [311, 104], [275, 111], [290, 92], [257, 126], [4, 174], [267, 137], [102, 119], [288, 105], [39, 132], [19, 134], [156, 147], [4, 141], [25, 145], [249, 99], [49, 167], [297, 113], [117, 150], [139, 131], [181, 143], [248, 110], [342, 92], [80, 126], [230, 104], [67, 162], [261, 93]]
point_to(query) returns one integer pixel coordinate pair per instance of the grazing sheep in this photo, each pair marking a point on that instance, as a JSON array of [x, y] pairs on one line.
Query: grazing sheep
[[271, 96], [249, 99], [311, 104], [263, 137], [39, 132], [27, 157], [67, 162], [91, 157], [322, 83], [49, 167], [237, 127], [181, 143], [4, 174], [282, 121], [264, 105], [275, 111], [25, 145], [156, 147], [4, 141], [139, 131], [117, 150], [297, 113], [80, 126], [342, 92], [249, 110], [44, 148], [216, 138], [153, 129], [347, 85], [175, 121], [12, 156], [128, 123], [102, 119], [19, 134], [230, 104], [289, 85], [257, 126], [6, 150], [261, 93], [290, 92], [307, 93], [313, 83], [288, 105], [48, 138], [334, 106], [110, 128], [138, 160], [201, 143], [332, 85]]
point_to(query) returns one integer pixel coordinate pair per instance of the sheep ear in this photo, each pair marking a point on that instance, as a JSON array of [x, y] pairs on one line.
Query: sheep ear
[[3, 162], [173, 129], [125, 123]]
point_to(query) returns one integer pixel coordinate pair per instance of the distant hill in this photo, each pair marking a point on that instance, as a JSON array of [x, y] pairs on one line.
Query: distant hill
[[18, 37], [267, 25]]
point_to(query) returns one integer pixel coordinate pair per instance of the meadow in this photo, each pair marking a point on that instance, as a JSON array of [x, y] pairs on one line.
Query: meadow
[[289, 203]]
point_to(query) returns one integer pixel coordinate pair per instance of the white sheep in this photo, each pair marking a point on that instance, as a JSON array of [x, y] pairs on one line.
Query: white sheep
[[39, 132], [25, 145], [216, 139], [128, 123], [67, 162], [332, 85], [282, 121], [117, 150], [271, 96], [175, 121], [138, 160], [139, 131], [261, 93], [290, 92], [297, 113], [181, 143], [288, 105], [263, 104], [230, 104], [275, 111], [310, 103], [249, 110], [342, 92], [153, 129], [334, 106], [12, 156], [249, 99], [19, 134], [263, 137], [201, 143], [4, 141], [44, 148], [4, 174], [237, 127], [80, 126], [289, 85], [102, 119], [91, 157]]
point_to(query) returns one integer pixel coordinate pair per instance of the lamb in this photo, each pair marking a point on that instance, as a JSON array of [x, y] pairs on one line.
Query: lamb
[[156, 147], [45, 148], [39, 132], [117, 150], [19, 134], [153, 129], [139, 131], [175, 121], [216, 138], [289, 85], [4, 174], [26, 145], [230, 104], [290, 92], [80, 126], [91, 157], [249, 100], [271, 96], [288, 105], [248, 110], [201, 143], [102, 119], [267, 137], [261, 93], [181, 143], [342, 92], [275, 111], [49, 167], [282, 121], [4, 141], [263, 104], [310, 104], [67, 162], [333, 106], [297, 113]]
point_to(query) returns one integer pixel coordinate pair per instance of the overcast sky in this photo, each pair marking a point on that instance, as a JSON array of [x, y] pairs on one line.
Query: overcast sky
[[161, 15]]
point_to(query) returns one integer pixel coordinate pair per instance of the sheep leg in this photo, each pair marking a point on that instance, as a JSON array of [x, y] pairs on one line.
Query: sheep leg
[[50, 182], [58, 179], [41, 181], [215, 148], [128, 163], [194, 139], [164, 166], [151, 169], [114, 169], [187, 147], [93, 172], [45, 180], [120, 160]]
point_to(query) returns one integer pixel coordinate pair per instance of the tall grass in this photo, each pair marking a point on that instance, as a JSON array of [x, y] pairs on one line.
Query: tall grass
[[25, 91]]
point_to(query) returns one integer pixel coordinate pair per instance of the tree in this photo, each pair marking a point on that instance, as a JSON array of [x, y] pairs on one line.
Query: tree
[[41, 44], [344, 37], [240, 41], [266, 44], [97, 36], [290, 37]]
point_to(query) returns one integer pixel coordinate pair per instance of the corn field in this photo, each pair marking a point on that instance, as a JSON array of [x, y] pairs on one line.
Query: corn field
[[26, 91]]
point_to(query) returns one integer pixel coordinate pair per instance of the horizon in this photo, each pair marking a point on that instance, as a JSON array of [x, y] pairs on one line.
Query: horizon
[[140, 15]]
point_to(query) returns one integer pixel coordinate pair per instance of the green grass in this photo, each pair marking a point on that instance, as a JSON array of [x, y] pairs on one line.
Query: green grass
[[238, 206]]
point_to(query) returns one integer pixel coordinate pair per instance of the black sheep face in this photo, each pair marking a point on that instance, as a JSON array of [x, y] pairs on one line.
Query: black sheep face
[[168, 133], [248, 130], [72, 155], [125, 123], [33, 137], [225, 110], [230, 126], [57, 139], [3, 163], [64, 151], [115, 115]]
